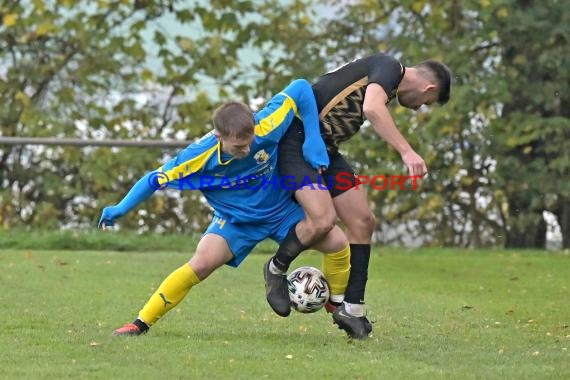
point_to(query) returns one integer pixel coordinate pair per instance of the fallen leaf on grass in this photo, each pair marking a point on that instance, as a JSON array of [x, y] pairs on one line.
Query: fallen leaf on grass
[[56, 260]]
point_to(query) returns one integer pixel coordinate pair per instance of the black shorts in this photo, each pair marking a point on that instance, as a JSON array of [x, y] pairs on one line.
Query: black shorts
[[338, 178]]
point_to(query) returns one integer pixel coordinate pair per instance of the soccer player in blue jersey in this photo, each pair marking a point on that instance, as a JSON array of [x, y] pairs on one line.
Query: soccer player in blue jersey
[[235, 168]]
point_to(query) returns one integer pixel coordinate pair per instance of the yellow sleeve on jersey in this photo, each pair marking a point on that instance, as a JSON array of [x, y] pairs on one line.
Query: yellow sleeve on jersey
[[191, 160], [278, 113]]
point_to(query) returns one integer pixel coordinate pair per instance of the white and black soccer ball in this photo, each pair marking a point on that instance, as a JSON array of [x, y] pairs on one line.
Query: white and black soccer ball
[[308, 289]]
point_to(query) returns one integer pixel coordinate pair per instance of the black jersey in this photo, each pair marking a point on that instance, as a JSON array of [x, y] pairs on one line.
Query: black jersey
[[340, 94]]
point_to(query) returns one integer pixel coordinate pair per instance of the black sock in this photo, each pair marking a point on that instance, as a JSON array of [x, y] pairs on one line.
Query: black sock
[[289, 249], [141, 325], [359, 258]]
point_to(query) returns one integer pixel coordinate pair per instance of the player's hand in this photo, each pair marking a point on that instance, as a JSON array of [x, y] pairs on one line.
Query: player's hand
[[415, 163], [315, 153], [108, 217]]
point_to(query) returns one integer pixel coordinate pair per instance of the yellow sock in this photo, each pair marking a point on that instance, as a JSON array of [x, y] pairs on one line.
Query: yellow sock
[[336, 268], [169, 294]]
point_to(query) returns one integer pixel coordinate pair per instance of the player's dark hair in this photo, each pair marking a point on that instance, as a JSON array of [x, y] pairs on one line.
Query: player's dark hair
[[234, 119], [442, 75]]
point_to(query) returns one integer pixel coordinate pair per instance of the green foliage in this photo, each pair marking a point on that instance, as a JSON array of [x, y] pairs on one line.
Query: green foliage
[[83, 69], [496, 153], [96, 240], [452, 139], [91, 239], [534, 128], [66, 67]]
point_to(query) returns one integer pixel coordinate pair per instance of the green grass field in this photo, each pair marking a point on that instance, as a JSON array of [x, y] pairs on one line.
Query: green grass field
[[439, 314]]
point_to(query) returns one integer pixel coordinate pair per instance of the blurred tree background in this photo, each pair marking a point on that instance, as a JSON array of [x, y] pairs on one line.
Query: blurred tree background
[[497, 152]]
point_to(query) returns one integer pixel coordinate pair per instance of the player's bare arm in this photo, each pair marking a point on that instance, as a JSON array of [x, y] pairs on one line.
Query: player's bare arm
[[376, 111]]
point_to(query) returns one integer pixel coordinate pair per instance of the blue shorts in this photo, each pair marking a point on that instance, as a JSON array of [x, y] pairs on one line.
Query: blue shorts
[[243, 237]]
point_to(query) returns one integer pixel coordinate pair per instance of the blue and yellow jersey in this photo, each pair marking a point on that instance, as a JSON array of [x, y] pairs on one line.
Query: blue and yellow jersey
[[244, 190]]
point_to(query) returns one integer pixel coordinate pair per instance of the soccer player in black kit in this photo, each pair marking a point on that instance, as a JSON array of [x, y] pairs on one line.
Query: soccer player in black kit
[[346, 97]]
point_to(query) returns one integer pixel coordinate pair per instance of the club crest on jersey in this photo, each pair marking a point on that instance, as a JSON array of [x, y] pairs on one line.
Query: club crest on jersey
[[261, 156]]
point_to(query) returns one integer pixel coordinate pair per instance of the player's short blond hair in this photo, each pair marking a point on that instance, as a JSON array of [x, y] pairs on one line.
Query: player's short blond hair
[[234, 119]]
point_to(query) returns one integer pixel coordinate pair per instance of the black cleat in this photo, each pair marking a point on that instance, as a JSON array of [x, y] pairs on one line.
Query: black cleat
[[367, 324], [355, 327], [277, 291]]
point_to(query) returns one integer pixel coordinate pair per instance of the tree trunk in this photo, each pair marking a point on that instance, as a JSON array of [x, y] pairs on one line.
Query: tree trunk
[[533, 236], [526, 230], [563, 214]]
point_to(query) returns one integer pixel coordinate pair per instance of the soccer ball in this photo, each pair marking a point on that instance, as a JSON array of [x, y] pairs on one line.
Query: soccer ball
[[308, 289]]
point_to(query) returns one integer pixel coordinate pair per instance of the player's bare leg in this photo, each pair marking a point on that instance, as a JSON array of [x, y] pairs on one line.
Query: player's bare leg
[[353, 210], [319, 220], [336, 265], [320, 215], [211, 253]]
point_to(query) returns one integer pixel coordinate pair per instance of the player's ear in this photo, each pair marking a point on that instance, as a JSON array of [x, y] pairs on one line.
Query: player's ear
[[217, 134], [430, 88]]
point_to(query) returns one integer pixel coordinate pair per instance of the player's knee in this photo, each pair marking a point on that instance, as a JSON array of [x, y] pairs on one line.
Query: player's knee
[[369, 221], [324, 223], [362, 225], [201, 266], [339, 242]]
